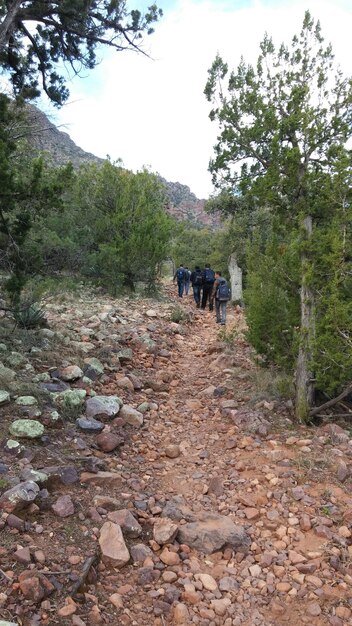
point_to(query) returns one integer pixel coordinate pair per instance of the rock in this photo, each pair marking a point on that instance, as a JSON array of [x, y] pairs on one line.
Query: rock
[[127, 522], [125, 383], [6, 375], [112, 545], [140, 552], [30, 429], [93, 368], [36, 476], [313, 609], [209, 583], [125, 355], [34, 586], [23, 555], [151, 313], [131, 415], [63, 506], [64, 474], [69, 608], [100, 478], [172, 451], [70, 398], [169, 558], [177, 509], [164, 530], [89, 425], [251, 513], [143, 408], [108, 406], [181, 615], [4, 396], [343, 471], [228, 584], [211, 532], [19, 496], [13, 447], [216, 486], [72, 372], [220, 606], [107, 442], [116, 600]]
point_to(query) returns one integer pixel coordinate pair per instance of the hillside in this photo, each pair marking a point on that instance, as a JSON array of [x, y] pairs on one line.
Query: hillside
[[46, 137]]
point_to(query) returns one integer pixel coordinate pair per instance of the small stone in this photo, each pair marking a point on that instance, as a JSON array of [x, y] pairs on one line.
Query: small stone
[[72, 372], [131, 416], [344, 532], [140, 553], [107, 442], [23, 555], [251, 513], [4, 396], [313, 609], [283, 587], [19, 496], [209, 583], [305, 523], [112, 545], [181, 615], [220, 606], [116, 600], [30, 429], [169, 558], [63, 506], [108, 406], [89, 425], [255, 570], [27, 401], [69, 608], [127, 522], [342, 471], [164, 530], [172, 451]]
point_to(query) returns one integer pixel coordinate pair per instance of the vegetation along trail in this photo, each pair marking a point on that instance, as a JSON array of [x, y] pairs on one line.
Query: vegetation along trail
[[199, 501]]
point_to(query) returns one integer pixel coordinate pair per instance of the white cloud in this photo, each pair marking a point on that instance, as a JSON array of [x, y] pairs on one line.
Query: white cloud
[[153, 112]]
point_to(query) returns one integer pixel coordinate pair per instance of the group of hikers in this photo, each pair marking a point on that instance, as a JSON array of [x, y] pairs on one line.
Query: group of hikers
[[208, 287]]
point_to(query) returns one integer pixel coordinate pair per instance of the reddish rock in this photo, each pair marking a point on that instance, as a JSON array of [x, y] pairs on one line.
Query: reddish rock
[[126, 521], [164, 530], [107, 442], [34, 586], [172, 451], [72, 372], [251, 513], [23, 555], [112, 545], [63, 506]]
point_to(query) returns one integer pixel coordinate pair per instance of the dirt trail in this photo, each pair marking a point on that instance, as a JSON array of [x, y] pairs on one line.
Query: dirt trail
[[211, 437]]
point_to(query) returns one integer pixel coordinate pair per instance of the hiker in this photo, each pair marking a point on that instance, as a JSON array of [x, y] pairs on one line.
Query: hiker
[[180, 277], [187, 279], [222, 294], [208, 282], [197, 282]]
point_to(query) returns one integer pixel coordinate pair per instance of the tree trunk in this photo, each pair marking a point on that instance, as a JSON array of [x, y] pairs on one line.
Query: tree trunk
[[304, 375], [6, 26]]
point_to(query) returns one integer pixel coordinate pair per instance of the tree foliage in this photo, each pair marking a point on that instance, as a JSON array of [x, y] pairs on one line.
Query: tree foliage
[[284, 128], [38, 38]]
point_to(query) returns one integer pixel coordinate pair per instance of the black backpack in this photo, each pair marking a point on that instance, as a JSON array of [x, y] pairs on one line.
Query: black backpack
[[198, 278], [180, 274], [209, 275], [223, 292]]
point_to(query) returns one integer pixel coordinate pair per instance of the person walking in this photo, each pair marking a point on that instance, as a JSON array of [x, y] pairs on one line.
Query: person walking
[[187, 279], [222, 294], [208, 282], [180, 277], [197, 281]]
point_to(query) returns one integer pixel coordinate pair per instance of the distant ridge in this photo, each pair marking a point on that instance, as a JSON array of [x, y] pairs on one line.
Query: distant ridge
[[45, 137]]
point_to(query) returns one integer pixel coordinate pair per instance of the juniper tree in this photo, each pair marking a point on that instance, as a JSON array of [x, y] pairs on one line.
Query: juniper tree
[[281, 125], [37, 39]]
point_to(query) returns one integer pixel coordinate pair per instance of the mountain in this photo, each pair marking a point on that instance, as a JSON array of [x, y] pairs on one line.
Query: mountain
[[44, 136]]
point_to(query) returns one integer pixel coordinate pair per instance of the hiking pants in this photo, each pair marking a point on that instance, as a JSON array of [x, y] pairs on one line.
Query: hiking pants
[[207, 289], [186, 287], [180, 285], [196, 294], [220, 308]]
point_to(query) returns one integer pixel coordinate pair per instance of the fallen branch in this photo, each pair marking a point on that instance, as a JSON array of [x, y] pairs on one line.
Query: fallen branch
[[88, 564], [5, 575], [334, 415], [330, 403]]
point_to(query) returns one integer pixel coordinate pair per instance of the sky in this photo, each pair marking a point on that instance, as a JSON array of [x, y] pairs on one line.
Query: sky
[[152, 111]]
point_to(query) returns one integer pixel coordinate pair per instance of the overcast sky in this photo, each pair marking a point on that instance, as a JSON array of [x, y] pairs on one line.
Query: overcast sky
[[153, 112]]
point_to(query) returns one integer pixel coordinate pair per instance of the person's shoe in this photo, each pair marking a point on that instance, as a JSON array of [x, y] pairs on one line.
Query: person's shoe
[[198, 305], [223, 323], [218, 322]]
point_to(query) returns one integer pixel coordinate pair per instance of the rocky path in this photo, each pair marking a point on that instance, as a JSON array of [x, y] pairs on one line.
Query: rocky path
[[200, 501]]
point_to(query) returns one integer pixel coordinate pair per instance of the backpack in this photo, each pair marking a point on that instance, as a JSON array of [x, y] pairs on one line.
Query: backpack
[[209, 275], [198, 279], [180, 275], [223, 292]]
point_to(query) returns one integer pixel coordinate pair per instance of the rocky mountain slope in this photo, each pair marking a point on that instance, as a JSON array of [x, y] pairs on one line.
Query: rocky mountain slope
[[46, 137]]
